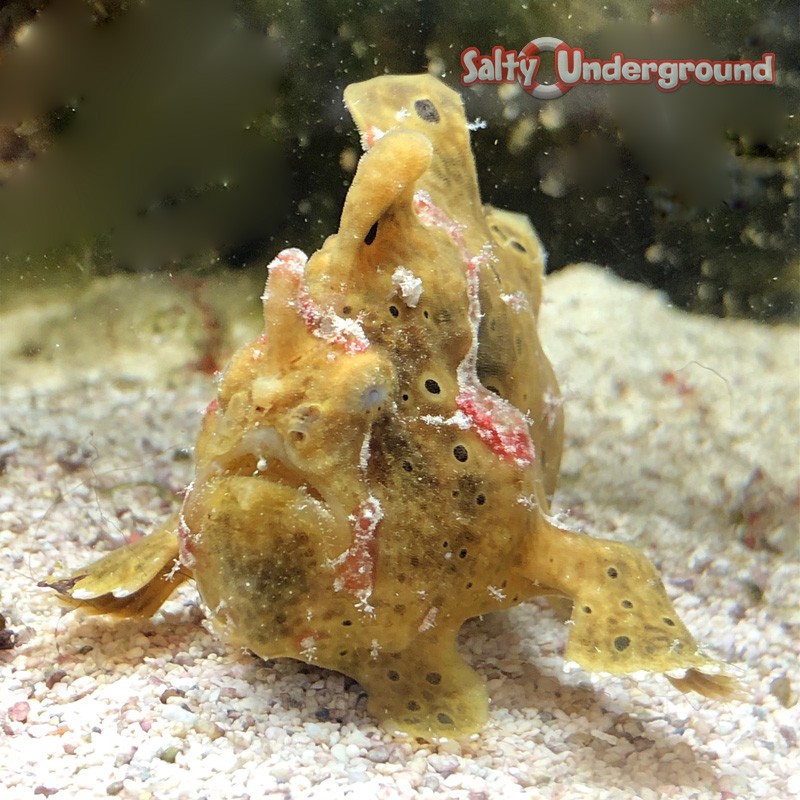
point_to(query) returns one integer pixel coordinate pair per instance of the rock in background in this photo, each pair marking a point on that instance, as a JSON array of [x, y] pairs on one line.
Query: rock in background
[[199, 133]]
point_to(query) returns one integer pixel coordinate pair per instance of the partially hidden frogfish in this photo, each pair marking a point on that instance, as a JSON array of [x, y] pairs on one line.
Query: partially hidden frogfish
[[377, 466]]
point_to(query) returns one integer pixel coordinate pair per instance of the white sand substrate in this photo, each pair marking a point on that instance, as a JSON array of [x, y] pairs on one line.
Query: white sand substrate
[[668, 416]]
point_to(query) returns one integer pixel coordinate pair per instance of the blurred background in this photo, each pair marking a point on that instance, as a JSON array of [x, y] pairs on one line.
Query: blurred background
[[199, 136]]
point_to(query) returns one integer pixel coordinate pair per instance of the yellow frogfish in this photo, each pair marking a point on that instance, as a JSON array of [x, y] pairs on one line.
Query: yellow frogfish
[[377, 466]]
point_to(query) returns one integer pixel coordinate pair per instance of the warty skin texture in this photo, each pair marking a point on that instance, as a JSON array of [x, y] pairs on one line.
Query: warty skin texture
[[377, 466]]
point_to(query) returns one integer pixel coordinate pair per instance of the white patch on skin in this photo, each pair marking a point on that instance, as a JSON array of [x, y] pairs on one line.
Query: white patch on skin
[[174, 569], [402, 114], [292, 259], [308, 648], [363, 604], [459, 419], [408, 286], [517, 301], [552, 402], [429, 621], [363, 458], [496, 593], [528, 501], [478, 124], [374, 649], [335, 329]]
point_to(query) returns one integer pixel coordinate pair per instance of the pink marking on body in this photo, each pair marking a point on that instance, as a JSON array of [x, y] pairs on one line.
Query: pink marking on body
[[324, 324], [308, 310], [355, 569], [212, 407], [499, 424], [370, 136], [430, 214]]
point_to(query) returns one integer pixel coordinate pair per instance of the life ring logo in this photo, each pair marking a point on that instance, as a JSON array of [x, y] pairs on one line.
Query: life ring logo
[[572, 67], [544, 91]]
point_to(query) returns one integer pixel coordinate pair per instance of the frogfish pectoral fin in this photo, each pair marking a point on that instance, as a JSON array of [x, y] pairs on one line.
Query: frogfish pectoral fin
[[622, 619], [716, 686], [132, 581], [426, 691]]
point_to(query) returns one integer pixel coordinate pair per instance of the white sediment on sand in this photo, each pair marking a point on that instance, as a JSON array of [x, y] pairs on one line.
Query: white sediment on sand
[[667, 417]]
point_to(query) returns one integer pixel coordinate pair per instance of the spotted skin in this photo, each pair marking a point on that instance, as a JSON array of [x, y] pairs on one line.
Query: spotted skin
[[375, 470]]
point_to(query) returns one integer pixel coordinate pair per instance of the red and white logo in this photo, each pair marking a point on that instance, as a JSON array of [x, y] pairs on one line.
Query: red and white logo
[[573, 67]]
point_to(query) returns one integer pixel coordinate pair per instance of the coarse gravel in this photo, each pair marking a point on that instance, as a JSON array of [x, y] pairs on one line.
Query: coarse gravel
[[668, 416]]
